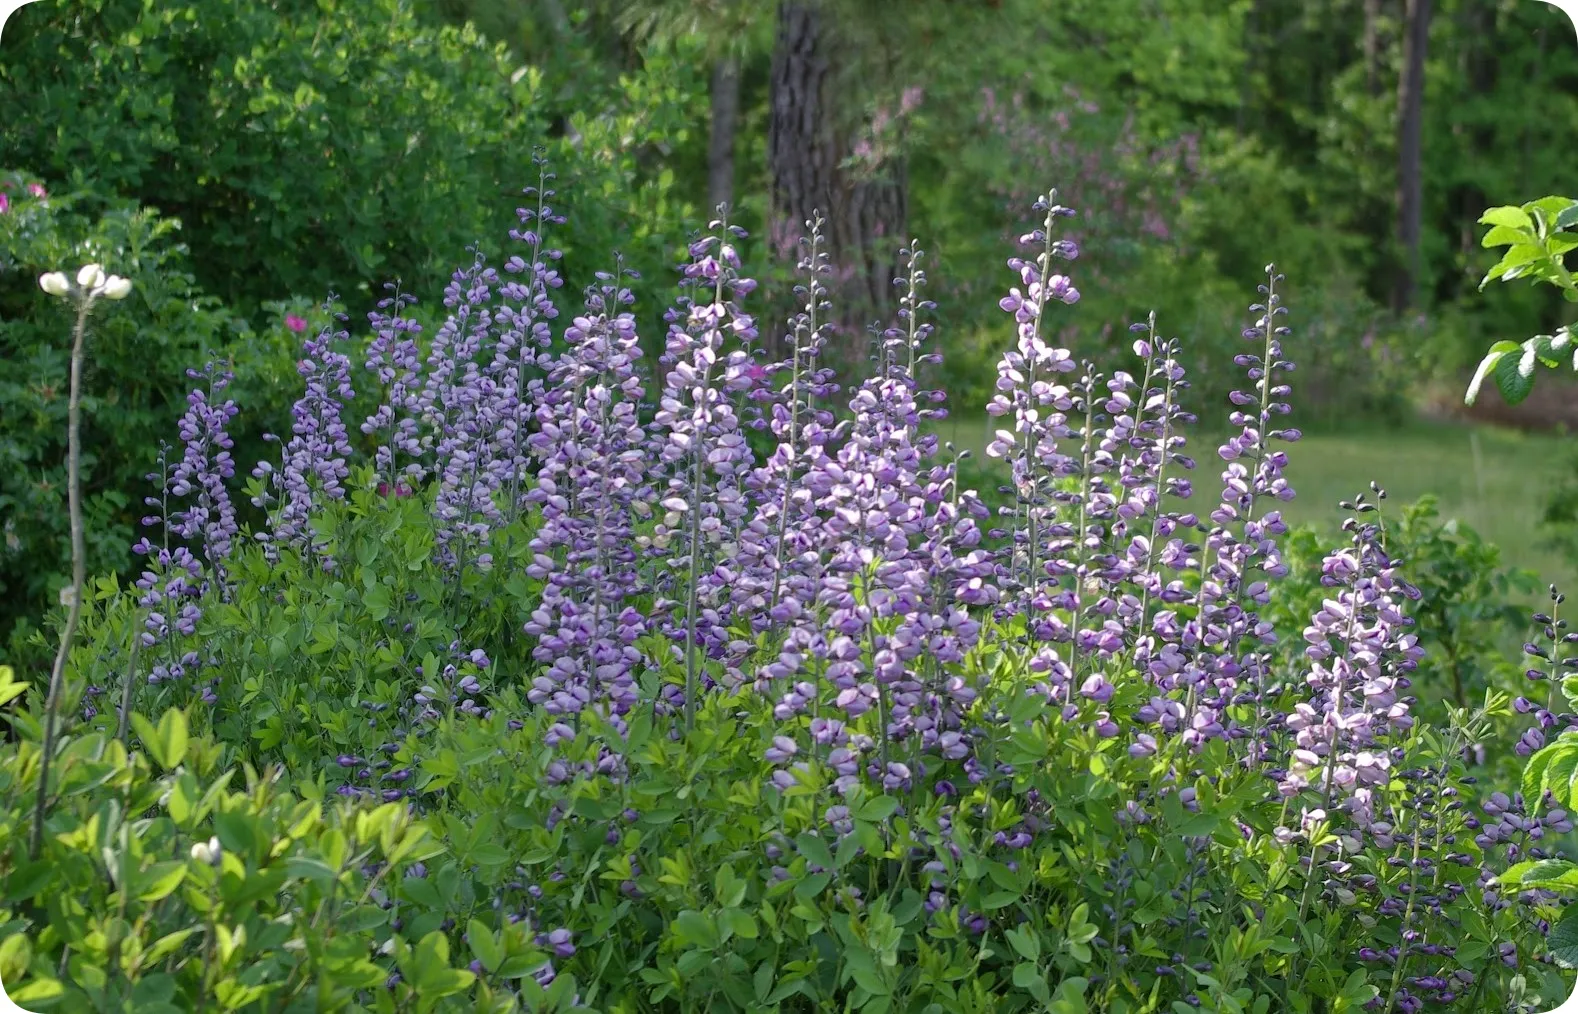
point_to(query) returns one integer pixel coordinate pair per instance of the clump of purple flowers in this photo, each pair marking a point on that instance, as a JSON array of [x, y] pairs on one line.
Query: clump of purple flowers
[[839, 600]]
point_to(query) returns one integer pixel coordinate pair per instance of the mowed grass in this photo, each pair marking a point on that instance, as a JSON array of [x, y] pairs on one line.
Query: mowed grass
[[1493, 480]]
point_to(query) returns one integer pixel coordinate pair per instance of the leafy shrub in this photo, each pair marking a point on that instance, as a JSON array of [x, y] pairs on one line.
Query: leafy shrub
[[321, 145], [701, 729], [1538, 238], [165, 884]]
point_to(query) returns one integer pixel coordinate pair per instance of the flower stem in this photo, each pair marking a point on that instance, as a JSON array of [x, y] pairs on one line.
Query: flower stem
[[78, 569]]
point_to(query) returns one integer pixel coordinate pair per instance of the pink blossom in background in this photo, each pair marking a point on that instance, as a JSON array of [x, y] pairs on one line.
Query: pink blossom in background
[[295, 323], [37, 190], [5, 203], [911, 99]]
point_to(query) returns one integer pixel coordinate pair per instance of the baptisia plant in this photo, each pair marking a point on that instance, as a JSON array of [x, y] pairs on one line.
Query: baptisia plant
[[698, 728], [91, 286]]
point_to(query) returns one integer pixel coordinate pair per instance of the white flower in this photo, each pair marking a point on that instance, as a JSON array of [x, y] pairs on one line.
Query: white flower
[[54, 283], [91, 276], [115, 287], [207, 852]]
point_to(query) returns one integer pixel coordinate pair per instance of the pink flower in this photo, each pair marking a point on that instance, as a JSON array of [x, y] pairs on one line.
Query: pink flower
[[37, 190], [5, 203], [295, 323]]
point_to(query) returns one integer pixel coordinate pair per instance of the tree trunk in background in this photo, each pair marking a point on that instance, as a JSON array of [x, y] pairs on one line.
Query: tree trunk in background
[[725, 123], [811, 128], [1478, 70], [1372, 47], [1410, 123]]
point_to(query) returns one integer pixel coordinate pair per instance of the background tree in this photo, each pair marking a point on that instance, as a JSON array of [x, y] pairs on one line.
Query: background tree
[[1410, 125]]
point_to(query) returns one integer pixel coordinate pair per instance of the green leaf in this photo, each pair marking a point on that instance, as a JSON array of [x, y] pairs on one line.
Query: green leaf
[[308, 868], [877, 809], [1534, 772], [1512, 217], [1503, 235], [28, 879], [484, 945], [1515, 376], [1563, 939], [1025, 942], [166, 945], [236, 832], [163, 879], [362, 918], [695, 929], [1546, 871], [869, 979], [1559, 774], [815, 850], [37, 991], [812, 886], [1486, 365]]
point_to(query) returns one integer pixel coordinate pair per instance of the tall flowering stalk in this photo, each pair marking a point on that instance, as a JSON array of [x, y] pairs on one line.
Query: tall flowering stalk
[[314, 461], [394, 356], [589, 447], [210, 520], [1359, 652], [793, 420], [92, 284], [697, 433], [523, 318], [1245, 541], [1029, 395], [175, 580], [465, 411]]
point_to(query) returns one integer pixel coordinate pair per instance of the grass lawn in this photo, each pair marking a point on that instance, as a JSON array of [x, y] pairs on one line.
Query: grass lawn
[[1498, 489]]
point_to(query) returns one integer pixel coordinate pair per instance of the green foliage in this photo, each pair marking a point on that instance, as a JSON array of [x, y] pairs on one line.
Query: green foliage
[[313, 143], [1537, 240], [170, 880], [690, 881], [300, 143]]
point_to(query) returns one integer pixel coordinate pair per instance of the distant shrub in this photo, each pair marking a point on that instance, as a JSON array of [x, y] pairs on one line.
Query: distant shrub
[[310, 146]]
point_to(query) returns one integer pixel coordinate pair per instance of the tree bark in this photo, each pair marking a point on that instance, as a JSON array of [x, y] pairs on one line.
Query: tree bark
[[1372, 47], [1410, 182], [725, 122], [812, 126]]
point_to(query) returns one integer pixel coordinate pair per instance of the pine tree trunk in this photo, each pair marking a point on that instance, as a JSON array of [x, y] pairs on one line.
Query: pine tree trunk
[[1372, 47], [813, 120], [1410, 182], [725, 122]]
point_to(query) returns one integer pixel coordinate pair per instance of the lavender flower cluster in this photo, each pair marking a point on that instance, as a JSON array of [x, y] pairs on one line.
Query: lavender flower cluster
[[847, 577]]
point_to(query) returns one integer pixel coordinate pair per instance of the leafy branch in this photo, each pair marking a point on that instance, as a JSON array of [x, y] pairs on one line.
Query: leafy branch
[[1537, 240]]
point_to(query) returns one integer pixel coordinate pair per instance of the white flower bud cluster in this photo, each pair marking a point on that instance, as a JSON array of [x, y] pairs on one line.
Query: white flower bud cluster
[[91, 281]]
